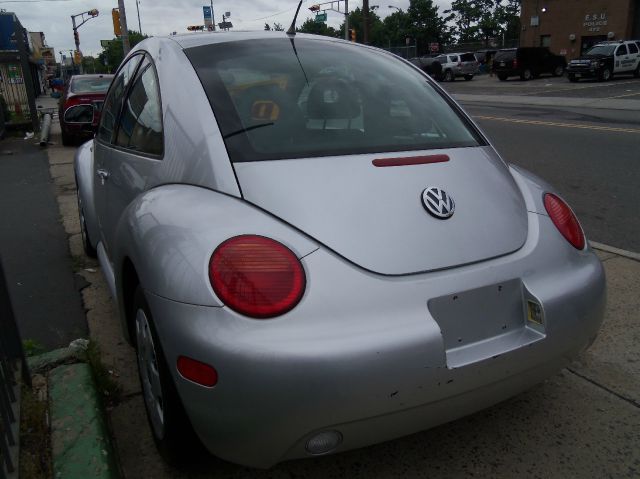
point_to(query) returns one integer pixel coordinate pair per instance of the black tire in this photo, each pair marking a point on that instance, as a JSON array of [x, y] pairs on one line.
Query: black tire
[[605, 74], [502, 76], [572, 78], [636, 72], [177, 443], [89, 250], [448, 76], [526, 74], [468, 77], [558, 71], [67, 140]]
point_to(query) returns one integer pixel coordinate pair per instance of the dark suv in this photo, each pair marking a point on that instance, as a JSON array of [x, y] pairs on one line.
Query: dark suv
[[527, 63]]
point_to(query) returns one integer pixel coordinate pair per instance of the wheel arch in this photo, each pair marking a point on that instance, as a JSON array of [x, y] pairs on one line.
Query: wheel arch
[[83, 169]]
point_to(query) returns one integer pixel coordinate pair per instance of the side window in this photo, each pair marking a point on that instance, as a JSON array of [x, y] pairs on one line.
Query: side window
[[633, 48], [114, 98], [140, 126], [622, 50]]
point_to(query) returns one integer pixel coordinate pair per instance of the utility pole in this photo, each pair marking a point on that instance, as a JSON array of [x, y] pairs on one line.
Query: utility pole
[[126, 47], [138, 9], [346, 20], [213, 17], [76, 38], [365, 21]]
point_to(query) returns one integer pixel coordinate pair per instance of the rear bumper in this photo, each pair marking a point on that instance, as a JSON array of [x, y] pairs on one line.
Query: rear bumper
[[364, 355]]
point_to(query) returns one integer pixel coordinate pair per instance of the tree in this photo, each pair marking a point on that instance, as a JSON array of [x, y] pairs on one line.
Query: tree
[[426, 25], [483, 20], [278, 27], [317, 28], [93, 65], [112, 55], [267, 27]]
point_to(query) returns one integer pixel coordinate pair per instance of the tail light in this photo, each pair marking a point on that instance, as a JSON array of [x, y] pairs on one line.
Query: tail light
[[459, 64], [515, 63], [256, 276], [565, 220]]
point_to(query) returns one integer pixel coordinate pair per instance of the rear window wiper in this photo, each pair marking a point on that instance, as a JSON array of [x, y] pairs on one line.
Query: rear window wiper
[[243, 130]]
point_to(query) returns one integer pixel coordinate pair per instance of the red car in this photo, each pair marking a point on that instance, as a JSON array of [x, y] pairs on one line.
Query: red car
[[80, 106]]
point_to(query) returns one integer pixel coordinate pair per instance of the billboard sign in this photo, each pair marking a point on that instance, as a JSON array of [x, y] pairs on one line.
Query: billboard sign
[[208, 17]]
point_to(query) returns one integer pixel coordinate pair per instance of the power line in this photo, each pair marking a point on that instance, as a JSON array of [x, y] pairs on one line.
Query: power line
[[32, 1], [275, 14]]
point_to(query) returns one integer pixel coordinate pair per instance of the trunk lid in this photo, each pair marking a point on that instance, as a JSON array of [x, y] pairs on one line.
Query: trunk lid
[[374, 216]]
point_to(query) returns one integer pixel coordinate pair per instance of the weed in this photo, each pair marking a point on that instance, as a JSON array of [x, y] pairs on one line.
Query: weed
[[101, 375], [32, 347]]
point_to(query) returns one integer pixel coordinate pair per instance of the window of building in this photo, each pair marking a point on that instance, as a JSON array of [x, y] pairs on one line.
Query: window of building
[[545, 40]]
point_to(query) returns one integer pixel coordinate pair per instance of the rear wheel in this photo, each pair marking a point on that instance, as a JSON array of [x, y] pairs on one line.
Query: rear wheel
[[558, 71], [468, 77], [67, 139], [171, 428], [502, 76], [636, 72], [448, 76], [605, 74], [526, 74]]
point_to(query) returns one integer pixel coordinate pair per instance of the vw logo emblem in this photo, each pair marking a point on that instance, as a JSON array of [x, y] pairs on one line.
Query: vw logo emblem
[[438, 203]]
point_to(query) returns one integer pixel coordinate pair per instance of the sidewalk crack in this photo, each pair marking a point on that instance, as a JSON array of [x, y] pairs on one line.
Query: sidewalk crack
[[610, 391]]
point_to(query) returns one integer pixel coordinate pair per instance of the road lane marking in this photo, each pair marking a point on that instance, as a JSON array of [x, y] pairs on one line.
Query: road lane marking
[[622, 96], [562, 89], [561, 125], [617, 251]]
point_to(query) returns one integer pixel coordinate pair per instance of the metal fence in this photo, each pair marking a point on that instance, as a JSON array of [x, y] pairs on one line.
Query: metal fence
[[12, 366]]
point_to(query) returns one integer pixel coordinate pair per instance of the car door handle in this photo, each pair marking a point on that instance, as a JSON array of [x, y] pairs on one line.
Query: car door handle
[[103, 174]]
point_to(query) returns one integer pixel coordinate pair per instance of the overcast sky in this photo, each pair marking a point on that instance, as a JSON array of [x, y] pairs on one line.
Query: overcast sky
[[161, 17]]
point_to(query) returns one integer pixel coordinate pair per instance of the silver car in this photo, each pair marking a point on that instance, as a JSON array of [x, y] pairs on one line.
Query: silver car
[[314, 249], [456, 65]]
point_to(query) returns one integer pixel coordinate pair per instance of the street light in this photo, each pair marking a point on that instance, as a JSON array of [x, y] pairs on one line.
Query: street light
[[91, 14], [398, 27]]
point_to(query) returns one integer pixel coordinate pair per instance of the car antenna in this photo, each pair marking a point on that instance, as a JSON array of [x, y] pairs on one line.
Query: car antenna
[[292, 28]]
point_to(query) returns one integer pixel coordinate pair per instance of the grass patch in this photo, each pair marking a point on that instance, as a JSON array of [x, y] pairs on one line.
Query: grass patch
[[35, 439], [105, 385]]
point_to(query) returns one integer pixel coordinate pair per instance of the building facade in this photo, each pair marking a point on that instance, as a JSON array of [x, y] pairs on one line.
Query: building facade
[[569, 27]]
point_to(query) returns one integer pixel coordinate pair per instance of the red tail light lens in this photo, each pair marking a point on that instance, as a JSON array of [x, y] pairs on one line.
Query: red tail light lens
[[256, 276], [565, 220], [515, 63]]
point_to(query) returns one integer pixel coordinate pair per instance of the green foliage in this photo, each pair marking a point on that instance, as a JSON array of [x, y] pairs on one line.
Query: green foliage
[[93, 65], [310, 26], [481, 20], [31, 347], [112, 54]]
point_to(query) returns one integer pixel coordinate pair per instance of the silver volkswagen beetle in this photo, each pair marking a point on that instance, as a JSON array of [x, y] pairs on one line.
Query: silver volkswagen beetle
[[314, 249]]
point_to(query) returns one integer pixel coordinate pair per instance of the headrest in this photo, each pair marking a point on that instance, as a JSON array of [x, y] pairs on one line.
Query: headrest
[[332, 98]]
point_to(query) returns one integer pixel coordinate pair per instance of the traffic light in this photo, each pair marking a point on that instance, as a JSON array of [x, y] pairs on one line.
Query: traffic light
[[93, 13], [352, 34], [115, 15], [314, 8], [77, 57]]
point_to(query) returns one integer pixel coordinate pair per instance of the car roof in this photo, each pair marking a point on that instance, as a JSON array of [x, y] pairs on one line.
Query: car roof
[[190, 40]]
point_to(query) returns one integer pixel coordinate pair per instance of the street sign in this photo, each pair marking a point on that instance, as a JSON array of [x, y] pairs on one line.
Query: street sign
[[321, 17], [225, 25], [105, 43], [208, 20], [434, 47]]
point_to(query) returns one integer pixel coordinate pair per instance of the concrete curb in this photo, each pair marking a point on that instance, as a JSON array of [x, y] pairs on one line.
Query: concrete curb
[[617, 251], [79, 438]]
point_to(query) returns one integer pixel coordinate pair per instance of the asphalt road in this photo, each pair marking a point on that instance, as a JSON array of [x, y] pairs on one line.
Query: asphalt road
[[35, 251], [590, 155], [624, 86]]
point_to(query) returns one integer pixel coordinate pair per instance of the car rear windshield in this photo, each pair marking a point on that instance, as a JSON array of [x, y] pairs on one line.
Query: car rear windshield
[[467, 57], [602, 50], [503, 55], [284, 98], [90, 85]]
